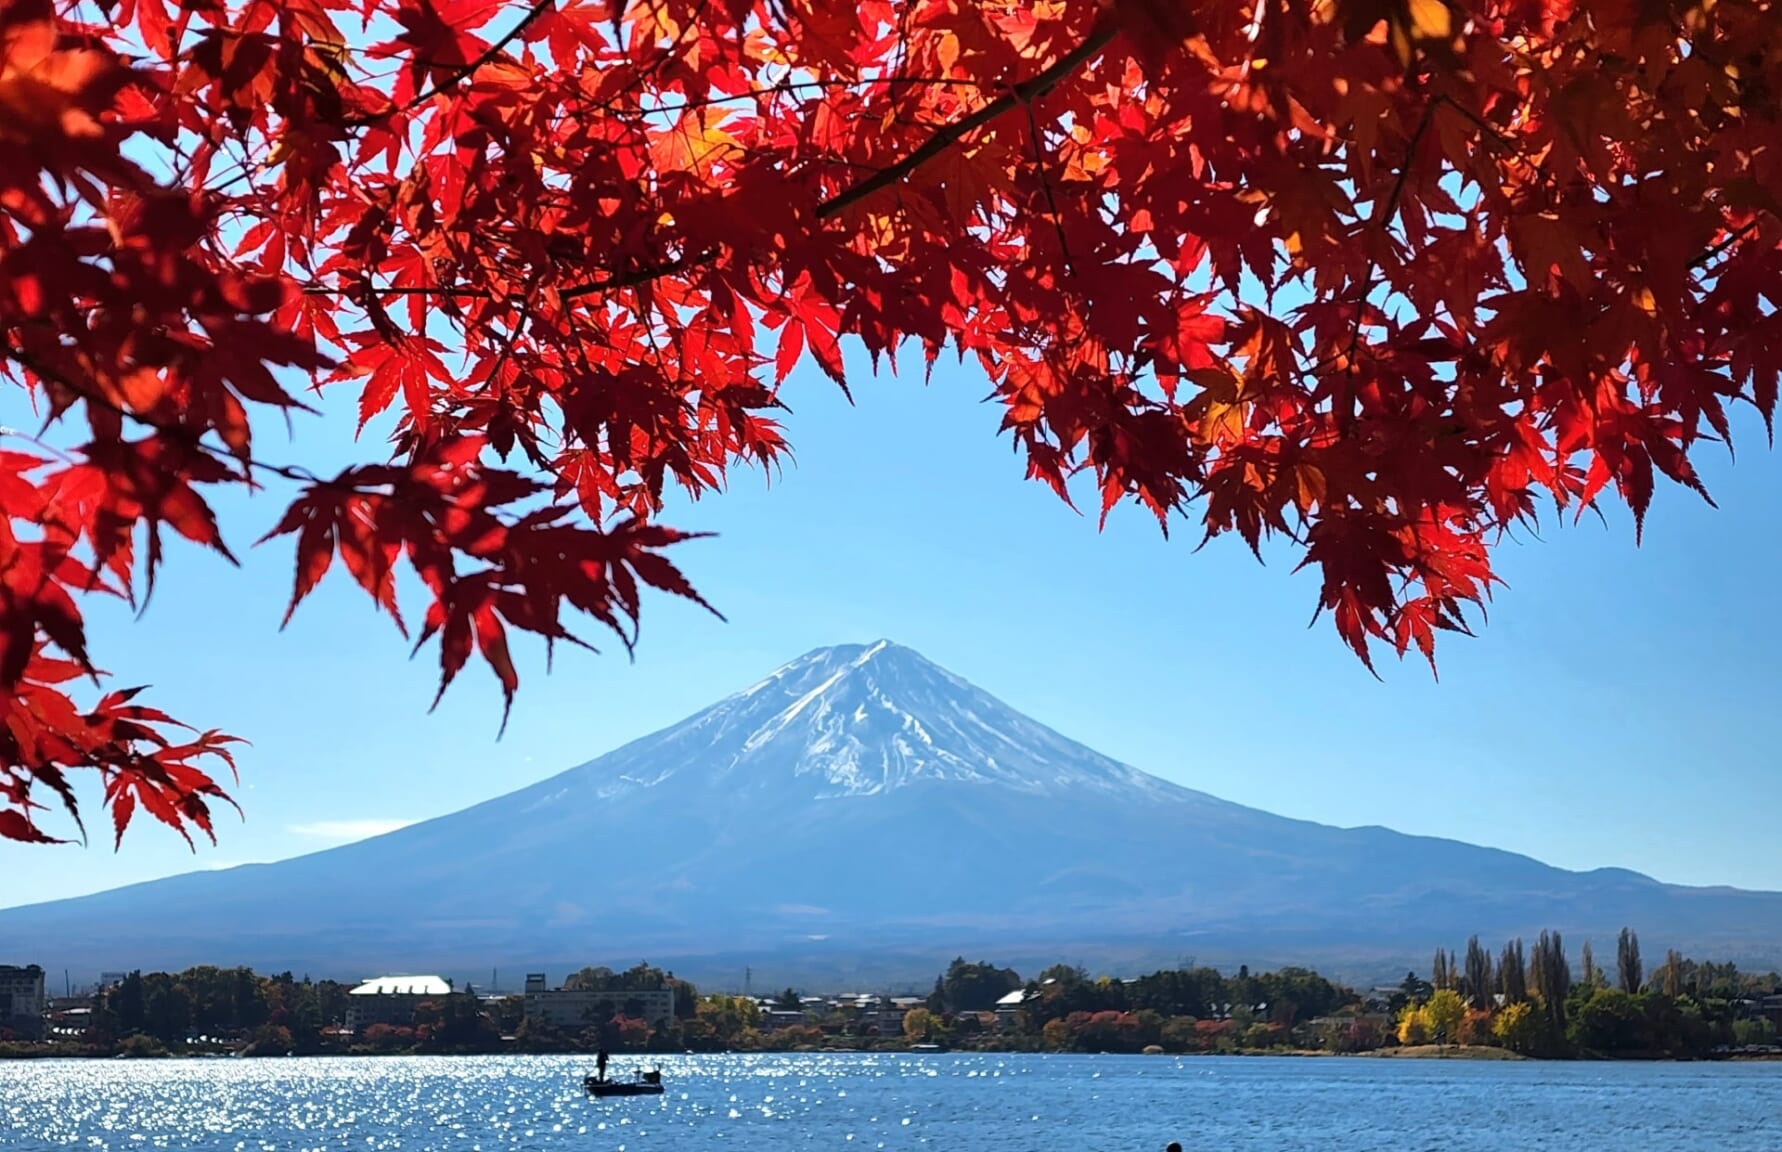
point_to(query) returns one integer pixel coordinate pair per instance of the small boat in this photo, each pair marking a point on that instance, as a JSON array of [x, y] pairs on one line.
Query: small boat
[[647, 1084]]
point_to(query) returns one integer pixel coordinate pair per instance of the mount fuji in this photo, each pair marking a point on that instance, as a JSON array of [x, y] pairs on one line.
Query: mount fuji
[[864, 814]]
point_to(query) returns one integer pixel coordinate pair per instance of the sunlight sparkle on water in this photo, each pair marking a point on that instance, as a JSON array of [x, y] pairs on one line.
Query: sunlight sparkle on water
[[888, 1102]]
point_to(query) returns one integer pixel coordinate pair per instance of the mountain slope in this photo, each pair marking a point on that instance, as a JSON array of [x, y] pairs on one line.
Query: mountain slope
[[862, 802]]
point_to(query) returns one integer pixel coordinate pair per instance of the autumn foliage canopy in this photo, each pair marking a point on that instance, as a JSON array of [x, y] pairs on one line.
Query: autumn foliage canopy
[[1381, 277]]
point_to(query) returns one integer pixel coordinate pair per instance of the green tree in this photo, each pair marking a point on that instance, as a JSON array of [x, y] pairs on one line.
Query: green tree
[[590, 980], [1628, 973], [1180, 1034], [249, 999], [1295, 994], [921, 1024], [1184, 992], [1551, 981], [1064, 974], [126, 1004], [102, 1025], [1512, 973], [1609, 1022], [1588, 973], [686, 999], [1479, 978], [1550, 976], [974, 987], [166, 1009], [730, 1016], [1414, 990]]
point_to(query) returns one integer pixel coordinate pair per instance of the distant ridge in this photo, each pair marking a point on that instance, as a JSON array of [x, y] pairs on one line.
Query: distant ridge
[[862, 810]]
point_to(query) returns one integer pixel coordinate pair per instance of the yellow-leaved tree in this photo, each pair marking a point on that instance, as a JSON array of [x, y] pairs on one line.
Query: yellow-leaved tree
[[1443, 1015], [1515, 1026], [1413, 1026], [921, 1024]]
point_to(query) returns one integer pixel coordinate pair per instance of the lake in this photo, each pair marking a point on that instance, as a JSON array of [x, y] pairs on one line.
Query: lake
[[855, 1103]]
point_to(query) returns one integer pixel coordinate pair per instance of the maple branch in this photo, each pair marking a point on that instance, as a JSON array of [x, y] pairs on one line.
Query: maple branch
[[1382, 220], [466, 293], [174, 432], [1707, 257], [641, 275], [1478, 121], [539, 8], [786, 87], [1039, 166], [185, 436], [1023, 93], [1030, 89]]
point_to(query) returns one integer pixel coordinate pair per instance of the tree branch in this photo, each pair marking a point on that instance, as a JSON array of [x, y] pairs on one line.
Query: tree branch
[[1023, 94], [441, 290], [1028, 90], [1341, 407], [640, 276], [1707, 257], [174, 432], [539, 8]]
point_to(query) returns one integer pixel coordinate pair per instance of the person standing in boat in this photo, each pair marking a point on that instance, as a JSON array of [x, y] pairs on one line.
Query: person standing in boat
[[600, 1064]]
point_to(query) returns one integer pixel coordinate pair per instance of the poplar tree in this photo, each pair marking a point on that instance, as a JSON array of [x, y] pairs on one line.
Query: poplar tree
[[1512, 971], [1478, 974], [1627, 962]]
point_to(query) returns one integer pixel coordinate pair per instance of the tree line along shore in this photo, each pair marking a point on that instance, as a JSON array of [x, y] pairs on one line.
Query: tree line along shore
[[1515, 1002]]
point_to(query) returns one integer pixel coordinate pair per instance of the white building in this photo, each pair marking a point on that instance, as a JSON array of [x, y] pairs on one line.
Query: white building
[[392, 1000], [21, 999], [572, 1009]]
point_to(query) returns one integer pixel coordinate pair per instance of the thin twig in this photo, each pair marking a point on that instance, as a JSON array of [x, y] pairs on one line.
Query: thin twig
[[1707, 257], [175, 432], [1383, 221], [1039, 166], [539, 8], [465, 293], [640, 276], [1477, 121], [1027, 90]]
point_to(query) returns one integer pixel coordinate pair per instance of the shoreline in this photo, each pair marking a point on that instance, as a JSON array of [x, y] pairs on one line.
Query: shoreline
[[28, 1052]]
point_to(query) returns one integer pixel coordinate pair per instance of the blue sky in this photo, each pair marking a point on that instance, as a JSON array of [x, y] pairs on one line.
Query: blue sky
[[1617, 710]]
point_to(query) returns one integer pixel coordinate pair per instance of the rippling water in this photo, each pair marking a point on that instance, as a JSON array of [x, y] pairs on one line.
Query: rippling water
[[961, 1103]]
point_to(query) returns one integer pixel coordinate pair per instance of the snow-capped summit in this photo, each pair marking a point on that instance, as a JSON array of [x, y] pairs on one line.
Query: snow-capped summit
[[858, 720]]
